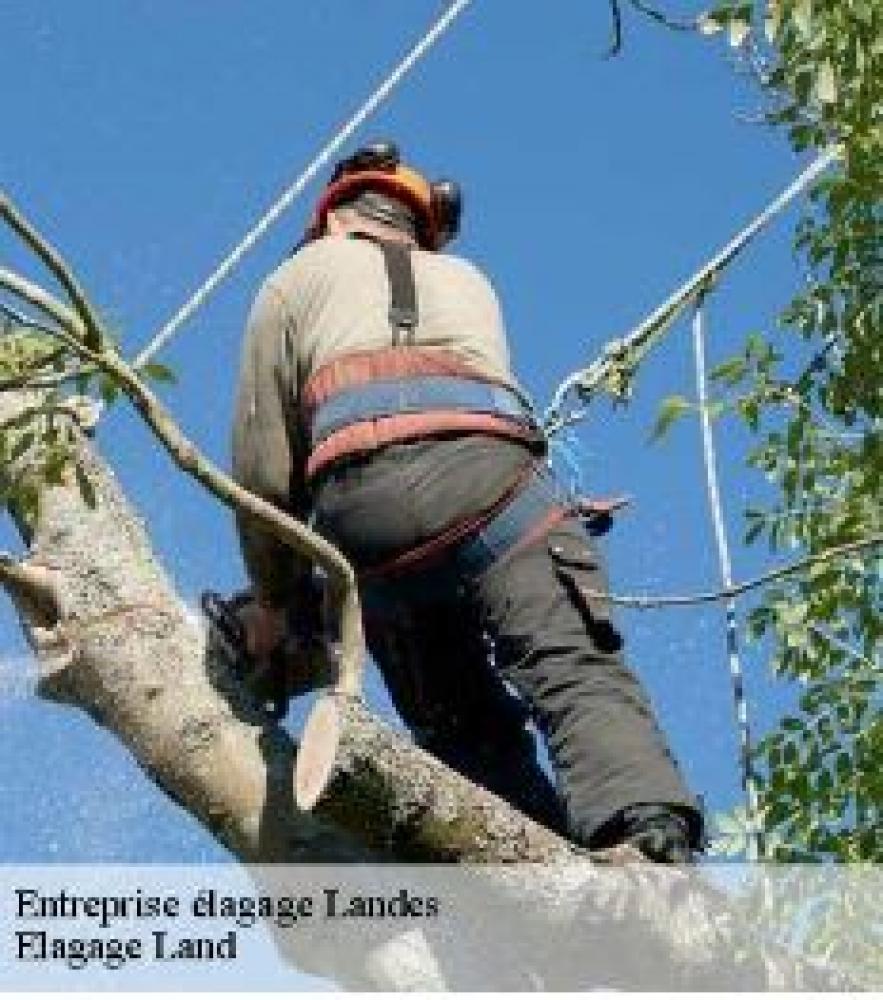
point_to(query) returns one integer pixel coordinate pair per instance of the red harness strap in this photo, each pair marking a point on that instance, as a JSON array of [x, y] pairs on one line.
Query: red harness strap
[[360, 368], [420, 554]]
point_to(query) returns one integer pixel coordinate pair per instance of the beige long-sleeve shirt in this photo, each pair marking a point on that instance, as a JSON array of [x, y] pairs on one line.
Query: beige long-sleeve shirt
[[330, 299]]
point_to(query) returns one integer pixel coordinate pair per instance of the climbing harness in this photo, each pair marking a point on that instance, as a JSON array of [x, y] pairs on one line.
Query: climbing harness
[[528, 510], [421, 394], [360, 401], [405, 392]]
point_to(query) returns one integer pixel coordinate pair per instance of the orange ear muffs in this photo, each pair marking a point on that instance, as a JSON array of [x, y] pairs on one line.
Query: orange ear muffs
[[447, 209], [377, 167]]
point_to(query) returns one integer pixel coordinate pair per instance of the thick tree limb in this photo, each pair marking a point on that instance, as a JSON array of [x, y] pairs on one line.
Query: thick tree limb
[[138, 665]]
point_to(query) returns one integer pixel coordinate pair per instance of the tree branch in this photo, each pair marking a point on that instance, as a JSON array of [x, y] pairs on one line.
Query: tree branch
[[616, 37], [672, 23], [643, 8], [44, 250], [726, 593], [342, 579], [38, 297], [19, 319]]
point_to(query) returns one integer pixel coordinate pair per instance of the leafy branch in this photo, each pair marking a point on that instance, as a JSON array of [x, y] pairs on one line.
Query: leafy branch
[[78, 329], [40, 246]]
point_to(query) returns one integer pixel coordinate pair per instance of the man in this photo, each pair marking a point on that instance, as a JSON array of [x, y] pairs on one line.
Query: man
[[376, 397]]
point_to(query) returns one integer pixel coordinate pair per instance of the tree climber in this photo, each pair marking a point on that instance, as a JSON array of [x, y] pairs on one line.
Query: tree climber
[[376, 398]]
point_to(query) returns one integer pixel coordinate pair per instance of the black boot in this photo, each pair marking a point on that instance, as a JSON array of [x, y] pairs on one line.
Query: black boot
[[659, 832]]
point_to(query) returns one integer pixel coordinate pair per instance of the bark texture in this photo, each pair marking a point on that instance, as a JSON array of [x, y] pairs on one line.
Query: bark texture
[[116, 642]]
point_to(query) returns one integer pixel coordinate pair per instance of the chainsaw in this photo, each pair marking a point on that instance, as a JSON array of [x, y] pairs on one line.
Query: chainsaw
[[303, 661]]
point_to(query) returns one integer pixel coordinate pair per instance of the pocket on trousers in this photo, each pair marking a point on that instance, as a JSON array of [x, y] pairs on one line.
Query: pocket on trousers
[[578, 569]]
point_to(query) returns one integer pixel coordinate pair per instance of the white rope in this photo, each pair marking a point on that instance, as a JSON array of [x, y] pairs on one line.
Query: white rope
[[291, 193], [586, 380], [726, 572]]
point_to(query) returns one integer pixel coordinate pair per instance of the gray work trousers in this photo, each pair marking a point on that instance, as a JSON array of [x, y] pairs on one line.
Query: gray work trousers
[[468, 662]]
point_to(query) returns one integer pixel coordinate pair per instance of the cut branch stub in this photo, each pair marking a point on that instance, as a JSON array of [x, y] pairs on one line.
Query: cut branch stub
[[319, 742]]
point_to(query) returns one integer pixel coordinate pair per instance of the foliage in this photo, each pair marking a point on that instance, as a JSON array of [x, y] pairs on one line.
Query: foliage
[[812, 392], [36, 445]]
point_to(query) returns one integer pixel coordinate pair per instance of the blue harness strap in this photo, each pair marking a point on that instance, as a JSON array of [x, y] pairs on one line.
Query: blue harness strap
[[528, 508], [417, 394]]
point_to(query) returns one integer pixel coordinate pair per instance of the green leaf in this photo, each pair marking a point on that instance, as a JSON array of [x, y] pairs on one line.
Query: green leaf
[[749, 407], [731, 371], [22, 444], [802, 17], [671, 409], [108, 389], [158, 372], [826, 84], [739, 31]]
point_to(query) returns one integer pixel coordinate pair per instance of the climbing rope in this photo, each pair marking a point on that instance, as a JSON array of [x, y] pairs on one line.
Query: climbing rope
[[715, 506], [614, 370], [620, 357], [286, 199]]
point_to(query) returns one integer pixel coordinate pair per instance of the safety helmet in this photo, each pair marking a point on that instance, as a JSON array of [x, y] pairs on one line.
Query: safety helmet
[[436, 205]]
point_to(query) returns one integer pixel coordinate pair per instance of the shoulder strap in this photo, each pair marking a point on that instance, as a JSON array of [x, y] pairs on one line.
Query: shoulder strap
[[403, 312]]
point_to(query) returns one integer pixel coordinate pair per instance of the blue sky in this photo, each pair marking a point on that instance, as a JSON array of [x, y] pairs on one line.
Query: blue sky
[[144, 138]]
